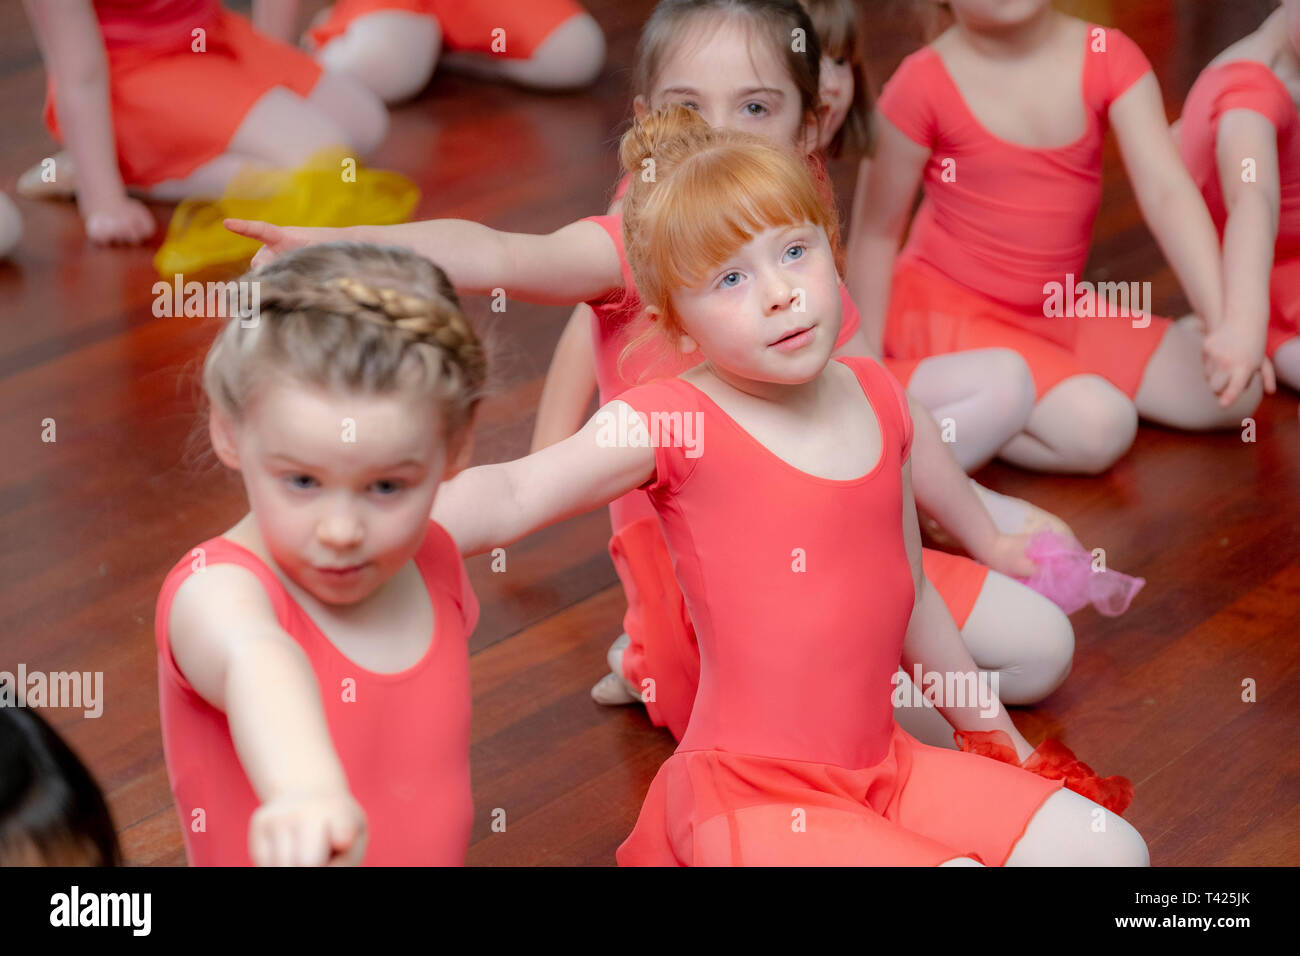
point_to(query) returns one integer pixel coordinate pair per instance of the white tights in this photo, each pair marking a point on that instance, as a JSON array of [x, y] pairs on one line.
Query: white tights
[[283, 130], [394, 53], [1014, 632], [1085, 424], [1071, 830], [980, 400]]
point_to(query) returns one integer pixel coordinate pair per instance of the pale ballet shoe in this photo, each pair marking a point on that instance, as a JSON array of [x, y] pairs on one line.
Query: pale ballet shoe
[[31, 185], [614, 689]]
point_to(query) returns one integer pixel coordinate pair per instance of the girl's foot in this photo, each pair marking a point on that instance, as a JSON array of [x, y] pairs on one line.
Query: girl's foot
[[614, 689], [32, 185]]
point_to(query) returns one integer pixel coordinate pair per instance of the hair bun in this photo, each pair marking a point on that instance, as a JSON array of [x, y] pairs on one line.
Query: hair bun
[[648, 135]]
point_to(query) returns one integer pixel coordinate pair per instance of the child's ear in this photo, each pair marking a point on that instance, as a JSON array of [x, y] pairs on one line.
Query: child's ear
[[221, 431], [639, 107]]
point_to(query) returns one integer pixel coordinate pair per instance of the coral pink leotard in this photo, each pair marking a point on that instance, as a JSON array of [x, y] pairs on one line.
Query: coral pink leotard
[[999, 221], [792, 754], [1248, 85], [403, 738]]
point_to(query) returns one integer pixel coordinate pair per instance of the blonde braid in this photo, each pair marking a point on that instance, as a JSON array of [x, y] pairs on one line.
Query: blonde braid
[[428, 319]]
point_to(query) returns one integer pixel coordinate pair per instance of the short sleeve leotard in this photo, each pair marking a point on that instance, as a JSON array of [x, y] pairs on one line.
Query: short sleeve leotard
[[1000, 221], [403, 738], [793, 722], [1249, 85]]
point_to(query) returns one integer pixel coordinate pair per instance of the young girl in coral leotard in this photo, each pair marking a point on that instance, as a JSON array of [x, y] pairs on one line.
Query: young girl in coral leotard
[[658, 643], [1003, 117], [783, 483], [312, 662], [1011, 629], [170, 99], [1240, 138]]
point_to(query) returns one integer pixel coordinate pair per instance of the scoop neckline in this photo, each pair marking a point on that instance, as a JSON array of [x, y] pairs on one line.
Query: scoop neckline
[[834, 482], [383, 676], [989, 134]]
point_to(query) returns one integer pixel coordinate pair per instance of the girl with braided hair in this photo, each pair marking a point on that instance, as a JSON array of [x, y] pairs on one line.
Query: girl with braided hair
[[312, 660]]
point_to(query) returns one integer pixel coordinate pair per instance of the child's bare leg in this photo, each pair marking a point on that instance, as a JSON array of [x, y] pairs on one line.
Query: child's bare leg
[[1081, 426], [980, 399], [1174, 391], [1071, 830]]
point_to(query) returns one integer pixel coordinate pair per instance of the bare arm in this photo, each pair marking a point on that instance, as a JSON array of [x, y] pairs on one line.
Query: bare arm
[[496, 505], [228, 644], [565, 267], [944, 491], [933, 640], [1249, 236], [882, 203], [570, 382], [1170, 201], [73, 48]]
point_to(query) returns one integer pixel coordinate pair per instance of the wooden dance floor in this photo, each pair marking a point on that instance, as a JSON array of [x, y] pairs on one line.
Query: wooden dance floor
[[92, 522]]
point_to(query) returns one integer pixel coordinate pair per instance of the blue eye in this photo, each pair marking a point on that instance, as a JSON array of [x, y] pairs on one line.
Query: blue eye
[[690, 105], [729, 275], [301, 482], [800, 249], [391, 487]]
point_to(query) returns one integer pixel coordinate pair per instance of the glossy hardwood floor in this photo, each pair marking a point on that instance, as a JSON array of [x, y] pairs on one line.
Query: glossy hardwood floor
[[90, 524]]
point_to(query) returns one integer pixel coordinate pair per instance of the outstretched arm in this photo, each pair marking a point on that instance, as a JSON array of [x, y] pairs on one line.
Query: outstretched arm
[[495, 505], [571, 265], [227, 643], [934, 642]]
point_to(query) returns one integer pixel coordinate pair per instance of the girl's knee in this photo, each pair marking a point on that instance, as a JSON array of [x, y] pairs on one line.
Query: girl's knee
[[1014, 383], [1071, 830], [1049, 655], [570, 57], [1122, 844], [1099, 427], [392, 53]]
